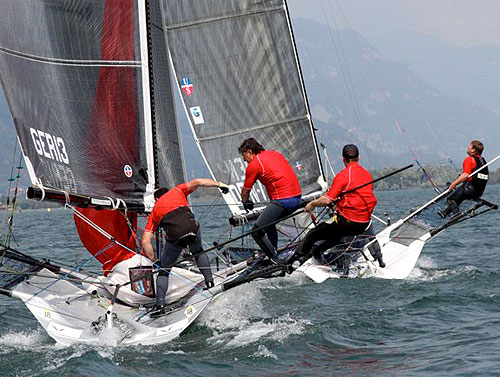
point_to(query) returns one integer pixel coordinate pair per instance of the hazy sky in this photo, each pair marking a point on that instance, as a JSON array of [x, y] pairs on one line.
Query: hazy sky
[[460, 22]]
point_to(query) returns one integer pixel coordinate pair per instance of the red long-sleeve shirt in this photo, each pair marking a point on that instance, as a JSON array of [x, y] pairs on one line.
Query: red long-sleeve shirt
[[358, 205], [173, 199], [273, 170]]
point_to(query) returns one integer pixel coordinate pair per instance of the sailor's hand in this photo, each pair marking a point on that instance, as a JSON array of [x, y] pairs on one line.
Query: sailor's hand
[[248, 205], [309, 207], [223, 188], [452, 186]]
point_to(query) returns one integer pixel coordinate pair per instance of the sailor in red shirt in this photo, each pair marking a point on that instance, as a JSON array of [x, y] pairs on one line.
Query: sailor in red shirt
[[354, 209], [171, 212], [273, 170], [472, 187]]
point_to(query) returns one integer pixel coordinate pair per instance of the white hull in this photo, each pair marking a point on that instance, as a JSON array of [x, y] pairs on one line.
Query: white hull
[[179, 282], [400, 260], [70, 314]]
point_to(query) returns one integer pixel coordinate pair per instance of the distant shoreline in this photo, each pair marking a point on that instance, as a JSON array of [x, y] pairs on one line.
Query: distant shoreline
[[407, 180], [34, 205]]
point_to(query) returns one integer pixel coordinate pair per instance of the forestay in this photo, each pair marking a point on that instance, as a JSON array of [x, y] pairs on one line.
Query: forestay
[[236, 67]]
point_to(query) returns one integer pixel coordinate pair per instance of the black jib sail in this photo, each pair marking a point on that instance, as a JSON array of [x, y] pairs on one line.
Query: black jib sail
[[236, 67]]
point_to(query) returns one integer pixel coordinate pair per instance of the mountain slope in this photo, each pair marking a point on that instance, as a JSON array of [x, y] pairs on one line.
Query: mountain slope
[[381, 94], [358, 97]]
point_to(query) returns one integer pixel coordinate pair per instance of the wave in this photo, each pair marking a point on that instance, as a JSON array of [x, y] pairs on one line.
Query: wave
[[238, 318], [25, 340]]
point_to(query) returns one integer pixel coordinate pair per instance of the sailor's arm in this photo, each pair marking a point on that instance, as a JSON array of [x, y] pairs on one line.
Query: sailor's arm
[[206, 182], [147, 247], [250, 178], [325, 200], [322, 201], [459, 180], [245, 194]]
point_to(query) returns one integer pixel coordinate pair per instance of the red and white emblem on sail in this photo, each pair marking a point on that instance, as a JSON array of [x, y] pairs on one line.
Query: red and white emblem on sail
[[187, 86], [127, 169], [298, 165]]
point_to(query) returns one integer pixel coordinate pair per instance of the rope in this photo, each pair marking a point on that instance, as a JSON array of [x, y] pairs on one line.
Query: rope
[[113, 240]]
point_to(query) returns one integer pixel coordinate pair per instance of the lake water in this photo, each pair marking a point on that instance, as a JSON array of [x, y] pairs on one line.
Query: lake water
[[443, 320]]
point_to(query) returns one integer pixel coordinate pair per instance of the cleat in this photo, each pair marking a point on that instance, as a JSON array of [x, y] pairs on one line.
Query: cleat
[[290, 268]]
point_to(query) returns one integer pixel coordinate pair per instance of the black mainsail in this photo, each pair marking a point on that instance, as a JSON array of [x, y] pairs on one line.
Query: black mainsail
[[89, 89], [88, 86]]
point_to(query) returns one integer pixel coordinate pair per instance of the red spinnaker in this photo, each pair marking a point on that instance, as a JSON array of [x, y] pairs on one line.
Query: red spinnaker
[[113, 222], [112, 139]]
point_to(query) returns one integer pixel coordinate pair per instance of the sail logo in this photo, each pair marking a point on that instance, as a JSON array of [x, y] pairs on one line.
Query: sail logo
[[235, 170], [127, 169], [197, 115], [187, 86], [49, 146], [298, 165]]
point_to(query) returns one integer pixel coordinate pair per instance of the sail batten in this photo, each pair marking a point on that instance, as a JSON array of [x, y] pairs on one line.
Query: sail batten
[[77, 75], [226, 17], [238, 75], [256, 128], [99, 63]]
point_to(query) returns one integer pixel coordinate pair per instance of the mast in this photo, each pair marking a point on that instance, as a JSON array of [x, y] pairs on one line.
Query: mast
[[147, 92]]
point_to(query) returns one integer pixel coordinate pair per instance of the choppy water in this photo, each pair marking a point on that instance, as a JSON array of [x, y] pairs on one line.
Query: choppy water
[[443, 320]]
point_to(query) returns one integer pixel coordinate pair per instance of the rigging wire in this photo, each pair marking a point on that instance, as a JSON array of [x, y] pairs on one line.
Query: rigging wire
[[75, 269], [347, 78], [210, 208], [346, 74], [441, 146], [8, 222], [392, 113]]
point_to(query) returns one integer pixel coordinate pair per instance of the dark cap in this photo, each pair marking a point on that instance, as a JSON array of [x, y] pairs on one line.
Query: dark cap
[[350, 151], [159, 192]]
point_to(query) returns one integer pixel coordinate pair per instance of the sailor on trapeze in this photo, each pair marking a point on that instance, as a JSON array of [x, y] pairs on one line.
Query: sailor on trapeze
[[472, 187]]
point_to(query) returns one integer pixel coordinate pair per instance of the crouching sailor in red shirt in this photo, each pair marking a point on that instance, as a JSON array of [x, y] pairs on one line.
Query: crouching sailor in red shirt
[[171, 212], [472, 187], [273, 170], [354, 209]]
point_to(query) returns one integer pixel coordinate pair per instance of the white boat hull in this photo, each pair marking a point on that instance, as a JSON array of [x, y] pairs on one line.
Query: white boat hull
[[400, 260], [70, 314]]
